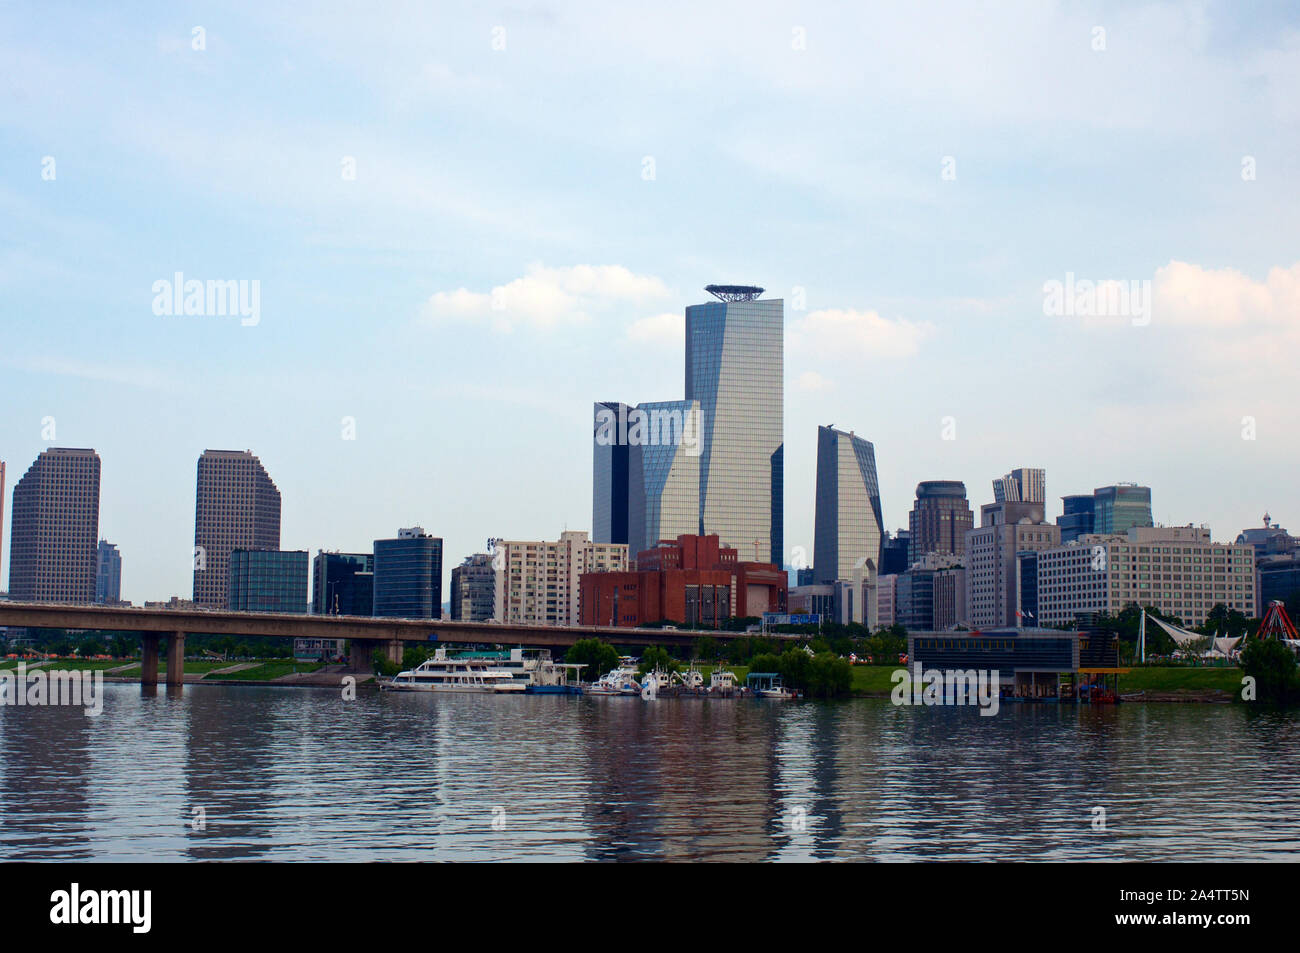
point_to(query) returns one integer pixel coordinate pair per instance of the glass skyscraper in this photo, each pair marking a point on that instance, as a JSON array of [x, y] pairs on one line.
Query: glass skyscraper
[[1077, 517], [849, 527], [664, 476], [609, 474], [408, 575], [1119, 508], [267, 580], [108, 573], [343, 584], [735, 368]]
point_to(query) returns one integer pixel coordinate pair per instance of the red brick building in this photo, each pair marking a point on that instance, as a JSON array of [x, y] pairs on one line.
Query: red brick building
[[693, 581]]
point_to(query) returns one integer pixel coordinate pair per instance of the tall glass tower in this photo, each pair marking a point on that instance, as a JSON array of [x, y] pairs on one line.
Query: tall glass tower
[[735, 368], [1119, 508], [609, 473], [664, 476], [849, 527]]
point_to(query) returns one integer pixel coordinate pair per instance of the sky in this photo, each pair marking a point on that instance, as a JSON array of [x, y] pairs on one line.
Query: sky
[[467, 222]]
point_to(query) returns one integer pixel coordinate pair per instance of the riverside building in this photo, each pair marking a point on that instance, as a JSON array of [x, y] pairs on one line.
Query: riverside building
[[1176, 569], [538, 582]]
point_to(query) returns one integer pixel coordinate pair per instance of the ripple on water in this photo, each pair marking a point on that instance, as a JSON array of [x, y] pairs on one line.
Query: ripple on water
[[297, 774]]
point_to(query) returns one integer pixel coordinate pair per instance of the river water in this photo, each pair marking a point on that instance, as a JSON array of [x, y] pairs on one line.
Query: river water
[[228, 772]]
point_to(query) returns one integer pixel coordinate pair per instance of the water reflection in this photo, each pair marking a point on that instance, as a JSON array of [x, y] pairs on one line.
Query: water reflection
[[213, 772]]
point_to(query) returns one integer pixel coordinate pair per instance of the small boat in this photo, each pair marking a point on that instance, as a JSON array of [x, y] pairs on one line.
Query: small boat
[[768, 685], [722, 683], [692, 679], [443, 674], [620, 681]]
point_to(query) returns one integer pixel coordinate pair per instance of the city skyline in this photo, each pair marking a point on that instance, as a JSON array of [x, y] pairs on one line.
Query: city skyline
[[450, 562], [432, 330]]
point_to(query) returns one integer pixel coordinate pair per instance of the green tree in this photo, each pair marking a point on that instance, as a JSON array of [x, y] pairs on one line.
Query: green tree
[[413, 655], [656, 657], [598, 656], [382, 664], [824, 675], [707, 647], [124, 646], [828, 675], [89, 647], [1273, 666]]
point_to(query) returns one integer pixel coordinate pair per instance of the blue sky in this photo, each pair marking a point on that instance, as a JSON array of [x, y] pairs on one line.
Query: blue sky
[[501, 158]]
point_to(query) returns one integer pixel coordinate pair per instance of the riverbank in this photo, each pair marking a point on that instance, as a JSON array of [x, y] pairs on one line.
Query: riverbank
[[1155, 683], [1149, 683], [206, 671]]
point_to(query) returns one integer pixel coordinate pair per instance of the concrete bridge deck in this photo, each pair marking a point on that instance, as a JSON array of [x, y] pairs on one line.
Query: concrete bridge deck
[[366, 633]]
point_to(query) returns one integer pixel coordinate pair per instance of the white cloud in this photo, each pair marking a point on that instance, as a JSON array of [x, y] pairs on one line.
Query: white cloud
[[1190, 295], [858, 334], [546, 298], [812, 381], [667, 330]]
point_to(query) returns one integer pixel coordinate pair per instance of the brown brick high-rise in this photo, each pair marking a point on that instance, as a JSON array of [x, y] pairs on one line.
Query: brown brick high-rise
[[236, 507], [55, 528]]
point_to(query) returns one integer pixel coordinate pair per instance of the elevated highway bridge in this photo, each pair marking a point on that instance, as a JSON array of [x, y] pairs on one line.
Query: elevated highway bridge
[[366, 633]]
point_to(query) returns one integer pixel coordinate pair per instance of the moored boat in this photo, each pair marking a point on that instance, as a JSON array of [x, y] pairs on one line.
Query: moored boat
[[620, 681], [443, 674]]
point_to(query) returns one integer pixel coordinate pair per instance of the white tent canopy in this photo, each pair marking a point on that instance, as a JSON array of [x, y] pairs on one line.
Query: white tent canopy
[[1225, 646], [1220, 647], [1181, 636]]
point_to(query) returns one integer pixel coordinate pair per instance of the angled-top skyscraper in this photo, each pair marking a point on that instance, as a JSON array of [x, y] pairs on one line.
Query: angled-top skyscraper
[[735, 368], [54, 529], [1022, 485], [849, 526], [236, 506], [664, 476]]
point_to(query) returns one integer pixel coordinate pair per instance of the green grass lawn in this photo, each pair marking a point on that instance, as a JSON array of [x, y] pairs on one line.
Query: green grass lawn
[[200, 666], [1167, 678], [83, 665], [12, 662], [266, 671], [874, 679]]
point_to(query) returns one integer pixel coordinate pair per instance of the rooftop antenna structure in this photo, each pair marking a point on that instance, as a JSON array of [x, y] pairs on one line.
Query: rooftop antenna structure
[[734, 292]]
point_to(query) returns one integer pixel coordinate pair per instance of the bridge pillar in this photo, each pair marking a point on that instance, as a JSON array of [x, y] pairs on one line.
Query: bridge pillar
[[148, 658], [361, 661], [176, 658]]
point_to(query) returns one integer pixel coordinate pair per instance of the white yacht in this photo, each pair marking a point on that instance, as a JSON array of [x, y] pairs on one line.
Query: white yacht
[[443, 674], [532, 668], [621, 681]]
